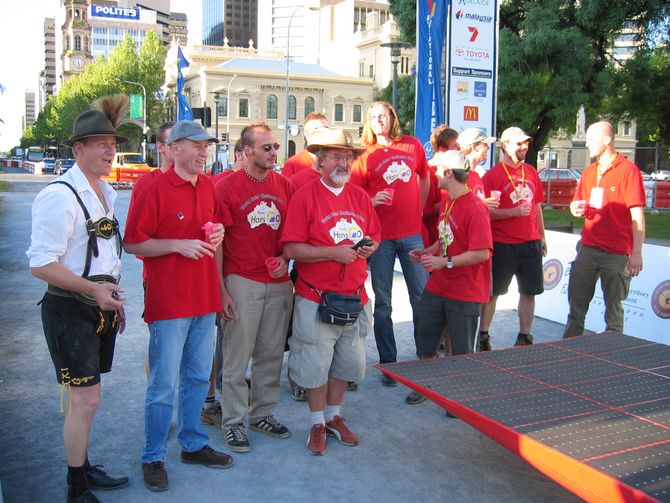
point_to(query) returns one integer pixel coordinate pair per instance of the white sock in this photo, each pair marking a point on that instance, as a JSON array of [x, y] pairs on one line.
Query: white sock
[[331, 411], [316, 417]]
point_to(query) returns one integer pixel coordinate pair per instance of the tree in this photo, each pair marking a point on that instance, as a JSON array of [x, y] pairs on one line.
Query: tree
[[405, 102], [101, 77], [555, 55]]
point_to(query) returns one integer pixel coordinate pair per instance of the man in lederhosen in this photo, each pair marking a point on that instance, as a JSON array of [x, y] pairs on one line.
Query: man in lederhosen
[[75, 248]]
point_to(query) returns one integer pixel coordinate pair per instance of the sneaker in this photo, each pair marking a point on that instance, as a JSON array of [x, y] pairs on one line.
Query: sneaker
[[87, 497], [414, 398], [208, 457], [484, 343], [388, 381], [236, 438], [98, 478], [524, 340], [339, 430], [211, 415], [155, 476], [316, 443], [270, 426], [298, 393], [352, 386]]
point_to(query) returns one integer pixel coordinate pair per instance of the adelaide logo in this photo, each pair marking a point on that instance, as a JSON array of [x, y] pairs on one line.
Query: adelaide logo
[[552, 272]]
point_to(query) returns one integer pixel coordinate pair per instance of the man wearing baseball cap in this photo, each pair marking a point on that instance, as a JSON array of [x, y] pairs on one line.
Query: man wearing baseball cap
[[475, 144], [460, 280], [518, 234], [182, 299], [82, 309], [325, 220]]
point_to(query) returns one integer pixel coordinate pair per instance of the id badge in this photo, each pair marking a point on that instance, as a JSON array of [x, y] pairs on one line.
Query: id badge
[[596, 201]]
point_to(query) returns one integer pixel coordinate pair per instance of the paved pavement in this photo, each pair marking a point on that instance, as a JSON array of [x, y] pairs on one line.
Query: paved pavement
[[406, 452]]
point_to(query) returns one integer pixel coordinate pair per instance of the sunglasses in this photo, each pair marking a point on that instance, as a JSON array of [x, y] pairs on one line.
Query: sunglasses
[[269, 146]]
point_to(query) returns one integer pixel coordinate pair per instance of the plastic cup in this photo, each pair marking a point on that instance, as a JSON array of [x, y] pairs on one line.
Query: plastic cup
[[425, 255], [580, 204], [272, 263], [390, 192], [209, 229], [496, 194]]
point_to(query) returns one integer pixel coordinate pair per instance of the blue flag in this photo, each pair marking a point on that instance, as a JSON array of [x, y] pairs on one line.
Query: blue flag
[[431, 21], [182, 62], [184, 112]]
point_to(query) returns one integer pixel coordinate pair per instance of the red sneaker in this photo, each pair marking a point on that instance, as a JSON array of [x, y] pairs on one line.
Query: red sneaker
[[316, 443], [337, 428]]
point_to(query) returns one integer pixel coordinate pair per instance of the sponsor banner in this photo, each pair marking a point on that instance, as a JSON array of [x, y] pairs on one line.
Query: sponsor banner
[[647, 308], [429, 106], [112, 11], [472, 65], [136, 109]]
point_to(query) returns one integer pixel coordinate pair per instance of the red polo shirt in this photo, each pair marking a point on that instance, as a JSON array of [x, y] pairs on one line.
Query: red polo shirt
[[470, 227], [611, 226], [302, 178], [172, 208], [394, 166], [301, 161], [318, 217], [253, 214], [515, 230]]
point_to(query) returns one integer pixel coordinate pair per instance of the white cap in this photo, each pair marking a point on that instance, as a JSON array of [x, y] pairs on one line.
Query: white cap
[[473, 135], [454, 160], [514, 134]]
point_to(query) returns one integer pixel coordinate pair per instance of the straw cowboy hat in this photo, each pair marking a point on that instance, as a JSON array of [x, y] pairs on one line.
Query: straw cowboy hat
[[324, 138]]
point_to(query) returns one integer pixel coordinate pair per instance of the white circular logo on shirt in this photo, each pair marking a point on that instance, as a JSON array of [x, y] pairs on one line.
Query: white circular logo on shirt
[[346, 229], [264, 214]]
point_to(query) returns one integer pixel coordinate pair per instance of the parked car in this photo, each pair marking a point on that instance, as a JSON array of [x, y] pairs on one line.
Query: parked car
[[661, 176], [127, 167], [49, 165], [62, 165], [646, 177], [559, 190]]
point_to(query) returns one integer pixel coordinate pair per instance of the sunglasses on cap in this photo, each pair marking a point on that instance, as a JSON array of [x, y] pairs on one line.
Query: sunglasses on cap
[[269, 146]]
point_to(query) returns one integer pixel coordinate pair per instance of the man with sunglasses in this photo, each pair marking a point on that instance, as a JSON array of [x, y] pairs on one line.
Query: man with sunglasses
[[257, 292], [518, 234]]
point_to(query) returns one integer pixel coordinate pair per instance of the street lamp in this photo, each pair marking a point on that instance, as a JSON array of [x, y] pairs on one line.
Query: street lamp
[[288, 50], [228, 117], [144, 116], [395, 47]]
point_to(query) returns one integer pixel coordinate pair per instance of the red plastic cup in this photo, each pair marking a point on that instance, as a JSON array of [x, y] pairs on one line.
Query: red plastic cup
[[424, 256], [272, 263], [390, 192], [209, 229], [496, 194]]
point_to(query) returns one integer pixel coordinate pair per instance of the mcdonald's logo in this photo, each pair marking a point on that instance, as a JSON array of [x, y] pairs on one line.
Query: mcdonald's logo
[[470, 113]]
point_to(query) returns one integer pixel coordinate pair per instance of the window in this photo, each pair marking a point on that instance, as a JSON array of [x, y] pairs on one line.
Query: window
[[371, 73], [271, 105], [361, 69], [223, 106], [356, 116], [309, 105], [339, 112], [77, 42], [243, 108], [292, 105]]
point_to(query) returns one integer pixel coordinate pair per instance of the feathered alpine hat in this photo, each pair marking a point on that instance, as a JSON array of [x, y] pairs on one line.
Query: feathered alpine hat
[[103, 119]]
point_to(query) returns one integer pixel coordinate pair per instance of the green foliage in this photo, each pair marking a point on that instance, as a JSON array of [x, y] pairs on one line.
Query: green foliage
[[102, 77], [405, 102]]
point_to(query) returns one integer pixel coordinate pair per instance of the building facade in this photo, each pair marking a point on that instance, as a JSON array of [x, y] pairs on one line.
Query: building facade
[[229, 22], [29, 114], [47, 85]]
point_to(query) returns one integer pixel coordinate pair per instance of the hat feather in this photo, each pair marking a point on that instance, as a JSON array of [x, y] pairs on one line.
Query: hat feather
[[116, 107]]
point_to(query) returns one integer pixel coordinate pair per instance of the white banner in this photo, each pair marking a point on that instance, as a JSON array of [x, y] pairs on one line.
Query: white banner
[[647, 308], [471, 72]]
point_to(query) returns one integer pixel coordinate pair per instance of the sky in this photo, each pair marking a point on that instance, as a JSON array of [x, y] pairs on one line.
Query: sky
[[22, 37]]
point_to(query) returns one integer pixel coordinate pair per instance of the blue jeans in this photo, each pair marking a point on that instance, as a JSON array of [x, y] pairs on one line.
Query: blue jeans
[[182, 348], [381, 268]]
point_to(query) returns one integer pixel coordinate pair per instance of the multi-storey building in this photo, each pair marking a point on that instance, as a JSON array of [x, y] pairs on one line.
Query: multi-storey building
[[229, 22], [29, 114]]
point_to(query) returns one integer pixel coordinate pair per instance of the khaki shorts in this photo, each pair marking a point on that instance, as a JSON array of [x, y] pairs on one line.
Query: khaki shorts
[[320, 350]]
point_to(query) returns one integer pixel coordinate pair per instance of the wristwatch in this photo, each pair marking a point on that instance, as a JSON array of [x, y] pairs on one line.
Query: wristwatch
[[450, 263]]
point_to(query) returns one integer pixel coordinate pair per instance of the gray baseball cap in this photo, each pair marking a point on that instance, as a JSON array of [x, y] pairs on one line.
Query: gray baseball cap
[[473, 135], [190, 130]]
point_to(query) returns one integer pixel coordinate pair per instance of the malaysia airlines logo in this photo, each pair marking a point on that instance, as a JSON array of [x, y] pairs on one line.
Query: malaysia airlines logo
[[264, 214], [473, 17]]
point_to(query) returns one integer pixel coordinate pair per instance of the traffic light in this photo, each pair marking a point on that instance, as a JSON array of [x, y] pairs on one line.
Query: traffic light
[[360, 131], [204, 114], [224, 137]]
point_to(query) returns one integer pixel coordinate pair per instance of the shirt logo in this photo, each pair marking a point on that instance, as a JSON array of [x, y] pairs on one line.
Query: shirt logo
[[397, 171], [346, 229], [446, 237], [264, 214]]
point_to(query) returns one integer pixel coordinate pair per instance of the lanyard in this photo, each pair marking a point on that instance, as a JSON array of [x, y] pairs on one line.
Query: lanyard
[[451, 204], [511, 181]]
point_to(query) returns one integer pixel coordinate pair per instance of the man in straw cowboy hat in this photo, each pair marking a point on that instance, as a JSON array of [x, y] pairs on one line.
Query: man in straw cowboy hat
[[75, 247], [330, 231]]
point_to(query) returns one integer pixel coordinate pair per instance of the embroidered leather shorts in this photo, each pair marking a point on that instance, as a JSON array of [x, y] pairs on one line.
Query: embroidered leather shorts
[[80, 337]]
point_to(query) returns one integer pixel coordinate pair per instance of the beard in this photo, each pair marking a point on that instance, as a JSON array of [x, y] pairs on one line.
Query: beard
[[340, 177]]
